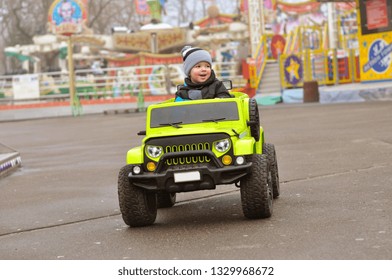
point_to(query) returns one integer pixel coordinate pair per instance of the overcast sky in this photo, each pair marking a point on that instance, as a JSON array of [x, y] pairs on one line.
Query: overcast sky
[[225, 7]]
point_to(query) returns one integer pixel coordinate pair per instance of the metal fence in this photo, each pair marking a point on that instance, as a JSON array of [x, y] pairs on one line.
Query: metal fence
[[109, 82]]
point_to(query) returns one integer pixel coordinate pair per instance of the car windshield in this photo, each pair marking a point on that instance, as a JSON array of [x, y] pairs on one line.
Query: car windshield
[[194, 113]]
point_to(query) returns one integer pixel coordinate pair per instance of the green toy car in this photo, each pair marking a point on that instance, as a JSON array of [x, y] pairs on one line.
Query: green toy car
[[197, 145]]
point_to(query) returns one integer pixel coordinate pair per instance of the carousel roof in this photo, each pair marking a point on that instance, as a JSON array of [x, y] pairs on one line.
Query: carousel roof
[[156, 26]]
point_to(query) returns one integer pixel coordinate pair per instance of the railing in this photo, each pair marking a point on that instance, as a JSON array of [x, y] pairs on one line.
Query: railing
[[306, 46], [327, 67], [112, 82], [348, 30]]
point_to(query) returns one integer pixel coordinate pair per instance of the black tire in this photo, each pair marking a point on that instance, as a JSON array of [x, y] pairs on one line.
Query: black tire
[[138, 207], [254, 119], [166, 200], [256, 190], [269, 150]]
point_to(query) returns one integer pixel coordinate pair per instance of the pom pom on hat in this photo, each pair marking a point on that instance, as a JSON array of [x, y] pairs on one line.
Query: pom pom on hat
[[192, 56]]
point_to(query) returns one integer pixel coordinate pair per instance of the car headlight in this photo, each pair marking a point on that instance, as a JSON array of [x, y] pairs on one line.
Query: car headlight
[[136, 169], [222, 145], [154, 151], [240, 160]]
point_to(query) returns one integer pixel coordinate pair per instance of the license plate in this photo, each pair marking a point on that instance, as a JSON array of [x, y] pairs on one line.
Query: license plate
[[187, 176]]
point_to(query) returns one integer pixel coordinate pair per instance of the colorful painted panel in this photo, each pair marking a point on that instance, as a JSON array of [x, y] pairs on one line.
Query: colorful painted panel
[[66, 16], [293, 70], [376, 57]]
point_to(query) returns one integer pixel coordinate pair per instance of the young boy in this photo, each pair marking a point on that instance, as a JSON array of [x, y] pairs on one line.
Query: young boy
[[200, 81]]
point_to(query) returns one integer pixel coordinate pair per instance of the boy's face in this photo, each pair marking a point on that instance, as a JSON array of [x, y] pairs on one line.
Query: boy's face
[[200, 72]]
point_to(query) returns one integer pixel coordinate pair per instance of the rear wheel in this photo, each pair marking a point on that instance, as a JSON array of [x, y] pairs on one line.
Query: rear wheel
[[138, 207], [254, 119], [256, 190], [269, 150], [166, 200]]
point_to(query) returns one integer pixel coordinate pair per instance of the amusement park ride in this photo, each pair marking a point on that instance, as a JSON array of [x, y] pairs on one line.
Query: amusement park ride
[[126, 53], [309, 40], [153, 38]]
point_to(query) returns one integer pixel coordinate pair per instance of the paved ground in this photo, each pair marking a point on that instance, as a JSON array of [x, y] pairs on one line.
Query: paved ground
[[335, 166]]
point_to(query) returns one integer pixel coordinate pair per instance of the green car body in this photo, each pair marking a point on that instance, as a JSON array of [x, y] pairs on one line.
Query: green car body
[[244, 144], [196, 145]]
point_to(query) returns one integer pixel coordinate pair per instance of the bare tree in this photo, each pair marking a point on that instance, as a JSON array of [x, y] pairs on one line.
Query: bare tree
[[105, 14], [185, 11], [21, 20]]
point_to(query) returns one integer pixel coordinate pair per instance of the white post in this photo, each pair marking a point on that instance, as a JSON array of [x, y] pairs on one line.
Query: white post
[[63, 61], [332, 27], [26, 65], [255, 23], [37, 65]]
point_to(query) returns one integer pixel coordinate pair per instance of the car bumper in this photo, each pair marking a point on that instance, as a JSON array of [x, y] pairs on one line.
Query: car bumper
[[208, 178]]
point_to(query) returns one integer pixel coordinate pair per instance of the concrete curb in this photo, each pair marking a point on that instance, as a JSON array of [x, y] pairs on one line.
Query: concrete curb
[[9, 162], [65, 111]]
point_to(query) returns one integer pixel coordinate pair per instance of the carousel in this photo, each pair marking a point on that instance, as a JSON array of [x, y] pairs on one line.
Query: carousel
[[152, 53]]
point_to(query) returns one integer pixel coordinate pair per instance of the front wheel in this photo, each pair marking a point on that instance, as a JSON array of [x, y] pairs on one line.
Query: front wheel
[[256, 190], [138, 207]]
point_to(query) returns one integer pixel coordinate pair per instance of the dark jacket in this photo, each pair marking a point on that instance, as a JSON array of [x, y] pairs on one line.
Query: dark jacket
[[212, 88]]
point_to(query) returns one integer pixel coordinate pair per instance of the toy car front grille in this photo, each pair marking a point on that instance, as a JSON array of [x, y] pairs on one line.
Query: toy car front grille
[[188, 159], [183, 150]]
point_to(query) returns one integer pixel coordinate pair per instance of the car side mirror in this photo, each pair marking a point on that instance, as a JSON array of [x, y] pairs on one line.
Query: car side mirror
[[142, 132]]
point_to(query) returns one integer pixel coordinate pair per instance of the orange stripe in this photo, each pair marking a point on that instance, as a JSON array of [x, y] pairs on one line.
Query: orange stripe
[[122, 100]]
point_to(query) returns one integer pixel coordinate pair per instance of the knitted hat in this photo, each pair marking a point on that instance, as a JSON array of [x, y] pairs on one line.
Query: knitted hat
[[192, 56]]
